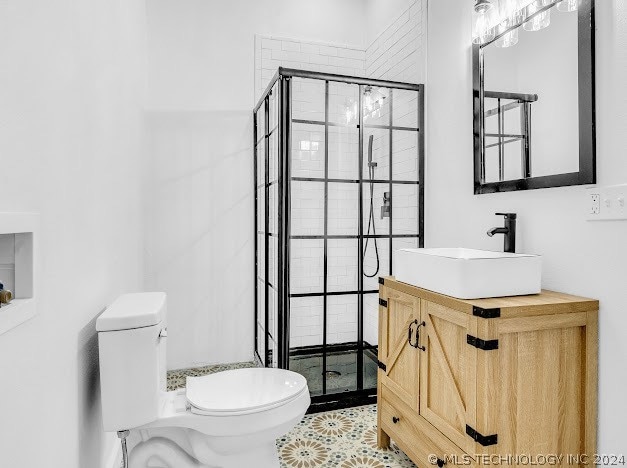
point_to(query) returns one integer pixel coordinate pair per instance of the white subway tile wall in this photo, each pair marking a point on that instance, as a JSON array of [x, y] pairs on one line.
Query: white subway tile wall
[[307, 150], [343, 153], [306, 266], [341, 319], [370, 263], [307, 213], [308, 99], [342, 259], [305, 321], [396, 54], [343, 218]]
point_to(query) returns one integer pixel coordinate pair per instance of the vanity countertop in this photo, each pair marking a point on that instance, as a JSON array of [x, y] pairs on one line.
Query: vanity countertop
[[547, 302]]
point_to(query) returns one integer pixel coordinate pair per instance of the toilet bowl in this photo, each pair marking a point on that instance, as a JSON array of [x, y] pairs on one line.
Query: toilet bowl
[[230, 419]]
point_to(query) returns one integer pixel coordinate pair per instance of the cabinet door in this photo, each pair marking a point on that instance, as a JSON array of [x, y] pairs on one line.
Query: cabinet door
[[447, 373], [401, 361], [537, 392]]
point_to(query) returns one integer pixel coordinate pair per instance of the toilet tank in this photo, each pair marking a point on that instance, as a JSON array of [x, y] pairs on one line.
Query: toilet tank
[[132, 340]]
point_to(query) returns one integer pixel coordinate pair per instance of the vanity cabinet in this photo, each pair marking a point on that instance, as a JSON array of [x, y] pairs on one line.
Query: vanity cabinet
[[513, 376]]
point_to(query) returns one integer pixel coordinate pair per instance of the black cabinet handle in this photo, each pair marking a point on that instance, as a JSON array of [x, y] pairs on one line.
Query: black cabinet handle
[[410, 333], [395, 419], [421, 324]]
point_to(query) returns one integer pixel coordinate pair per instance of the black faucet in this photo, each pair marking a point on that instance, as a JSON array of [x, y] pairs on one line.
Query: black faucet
[[509, 230]]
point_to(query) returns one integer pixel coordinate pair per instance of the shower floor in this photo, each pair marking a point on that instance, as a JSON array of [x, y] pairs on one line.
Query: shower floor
[[341, 370]]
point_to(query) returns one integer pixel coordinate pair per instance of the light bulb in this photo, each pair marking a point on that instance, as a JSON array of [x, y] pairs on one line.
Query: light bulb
[[568, 5], [511, 15], [484, 30], [519, 10], [508, 40], [514, 10], [368, 99], [540, 21]]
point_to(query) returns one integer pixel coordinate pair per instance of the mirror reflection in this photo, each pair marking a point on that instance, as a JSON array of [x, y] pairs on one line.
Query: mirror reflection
[[531, 103]]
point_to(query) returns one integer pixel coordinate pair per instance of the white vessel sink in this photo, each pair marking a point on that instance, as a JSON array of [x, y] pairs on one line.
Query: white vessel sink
[[468, 273]]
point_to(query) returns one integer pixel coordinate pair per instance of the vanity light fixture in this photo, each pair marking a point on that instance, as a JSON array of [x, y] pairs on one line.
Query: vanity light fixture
[[500, 18]]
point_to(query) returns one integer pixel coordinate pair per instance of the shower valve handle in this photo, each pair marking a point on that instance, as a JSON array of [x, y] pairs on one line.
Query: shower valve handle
[[386, 208]]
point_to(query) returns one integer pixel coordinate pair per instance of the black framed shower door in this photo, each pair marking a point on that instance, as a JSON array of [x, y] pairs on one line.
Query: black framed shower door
[[312, 194]]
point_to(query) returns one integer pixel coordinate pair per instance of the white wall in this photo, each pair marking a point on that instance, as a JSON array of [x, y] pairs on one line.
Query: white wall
[[202, 53], [198, 187], [70, 136], [579, 257]]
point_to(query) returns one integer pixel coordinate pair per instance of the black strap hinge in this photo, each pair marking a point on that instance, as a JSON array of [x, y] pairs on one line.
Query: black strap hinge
[[486, 345], [486, 313], [381, 281], [383, 303], [381, 365], [483, 440]]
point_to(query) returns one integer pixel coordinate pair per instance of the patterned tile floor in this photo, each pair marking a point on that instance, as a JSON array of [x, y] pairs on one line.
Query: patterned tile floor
[[344, 438]]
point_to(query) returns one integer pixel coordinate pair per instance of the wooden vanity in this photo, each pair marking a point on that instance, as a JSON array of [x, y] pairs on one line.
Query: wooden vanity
[[501, 376]]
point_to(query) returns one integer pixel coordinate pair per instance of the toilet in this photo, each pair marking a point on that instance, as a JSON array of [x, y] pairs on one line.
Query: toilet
[[230, 419]]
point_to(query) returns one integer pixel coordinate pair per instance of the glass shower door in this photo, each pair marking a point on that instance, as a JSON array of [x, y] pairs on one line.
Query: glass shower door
[[340, 159], [266, 219]]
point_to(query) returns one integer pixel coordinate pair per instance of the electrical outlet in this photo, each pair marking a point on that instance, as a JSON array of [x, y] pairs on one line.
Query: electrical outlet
[[606, 203], [595, 204]]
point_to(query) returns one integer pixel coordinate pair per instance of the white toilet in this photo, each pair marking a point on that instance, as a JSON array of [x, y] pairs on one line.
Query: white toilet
[[229, 419]]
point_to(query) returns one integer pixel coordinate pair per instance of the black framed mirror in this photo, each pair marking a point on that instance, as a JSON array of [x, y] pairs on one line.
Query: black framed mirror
[[534, 97]]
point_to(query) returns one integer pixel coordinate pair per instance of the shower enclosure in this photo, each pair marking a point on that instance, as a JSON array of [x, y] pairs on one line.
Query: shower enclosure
[[339, 185]]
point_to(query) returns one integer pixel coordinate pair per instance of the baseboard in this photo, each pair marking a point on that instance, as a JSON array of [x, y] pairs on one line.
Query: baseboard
[[114, 460]]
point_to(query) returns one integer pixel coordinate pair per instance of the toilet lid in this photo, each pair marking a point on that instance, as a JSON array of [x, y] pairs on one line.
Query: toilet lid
[[243, 390]]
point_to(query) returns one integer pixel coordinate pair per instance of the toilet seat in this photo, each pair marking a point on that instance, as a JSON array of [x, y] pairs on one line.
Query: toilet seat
[[243, 391]]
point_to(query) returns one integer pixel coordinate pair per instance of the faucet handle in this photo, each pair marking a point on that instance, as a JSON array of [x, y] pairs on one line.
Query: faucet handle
[[507, 215]]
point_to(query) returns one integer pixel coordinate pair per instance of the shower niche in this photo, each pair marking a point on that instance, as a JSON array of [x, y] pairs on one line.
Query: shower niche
[[339, 185]]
